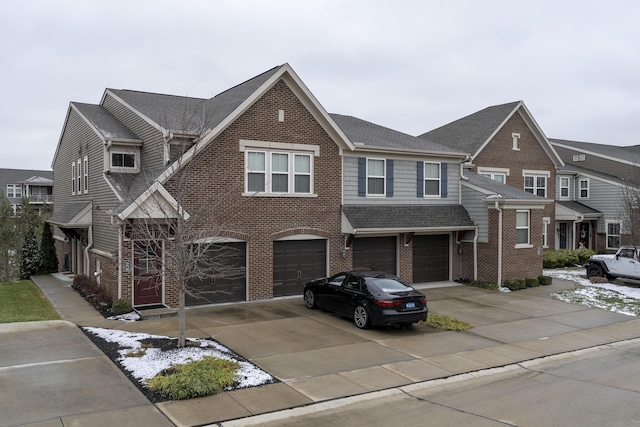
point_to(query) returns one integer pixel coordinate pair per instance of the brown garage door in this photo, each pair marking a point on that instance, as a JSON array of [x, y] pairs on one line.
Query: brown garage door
[[430, 258], [295, 262], [223, 289], [375, 253]]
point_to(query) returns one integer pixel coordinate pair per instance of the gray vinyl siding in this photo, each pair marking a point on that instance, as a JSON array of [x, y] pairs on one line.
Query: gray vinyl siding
[[152, 150], [604, 197], [78, 141], [473, 202], [404, 185]]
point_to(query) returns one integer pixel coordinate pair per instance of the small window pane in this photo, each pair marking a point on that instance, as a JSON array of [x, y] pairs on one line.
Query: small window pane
[[255, 182], [303, 184], [376, 167], [280, 162], [432, 170], [376, 186], [431, 188], [280, 183], [303, 164], [522, 219], [499, 178], [256, 162], [522, 236]]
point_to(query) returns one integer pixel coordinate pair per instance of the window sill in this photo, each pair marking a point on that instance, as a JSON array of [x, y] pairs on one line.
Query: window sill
[[281, 195], [523, 246]]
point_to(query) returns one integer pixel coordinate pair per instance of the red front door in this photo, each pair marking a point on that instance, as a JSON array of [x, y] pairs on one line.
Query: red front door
[[147, 282]]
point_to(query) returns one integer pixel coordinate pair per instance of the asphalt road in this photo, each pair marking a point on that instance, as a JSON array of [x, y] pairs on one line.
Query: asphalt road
[[596, 387]]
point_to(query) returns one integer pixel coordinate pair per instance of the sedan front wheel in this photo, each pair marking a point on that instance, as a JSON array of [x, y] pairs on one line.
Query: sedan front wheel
[[361, 317]]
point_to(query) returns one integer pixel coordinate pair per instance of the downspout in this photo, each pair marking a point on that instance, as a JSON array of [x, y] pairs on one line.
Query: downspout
[[475, 255], [86, 250], [573, 232], [119, 261], [499, 243]]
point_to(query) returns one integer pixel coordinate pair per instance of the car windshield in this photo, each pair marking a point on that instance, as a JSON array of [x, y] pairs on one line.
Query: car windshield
[[388, 285]]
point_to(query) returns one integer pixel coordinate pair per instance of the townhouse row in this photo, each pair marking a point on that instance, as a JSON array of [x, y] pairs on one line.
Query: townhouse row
[[287, 192]]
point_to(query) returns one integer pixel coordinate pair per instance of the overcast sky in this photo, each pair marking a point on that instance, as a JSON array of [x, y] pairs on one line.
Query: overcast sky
[[408, 65]]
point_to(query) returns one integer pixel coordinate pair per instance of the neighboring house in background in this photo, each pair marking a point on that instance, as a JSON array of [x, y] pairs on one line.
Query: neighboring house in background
[[35, 185], [312, 193], [509, 189], [591, 191]]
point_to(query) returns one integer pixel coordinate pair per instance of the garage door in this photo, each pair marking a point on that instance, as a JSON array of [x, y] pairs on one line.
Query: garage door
[[295, 262], [430, 258], [223, 289], [375, 253]]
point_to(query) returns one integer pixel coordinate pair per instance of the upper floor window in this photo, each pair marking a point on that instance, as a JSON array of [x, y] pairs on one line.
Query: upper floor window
[[432, 179], [14, 190], [522, 227], [278, 172], [85, 170], [500, 177], [536, 184], [74, 184], [123, 160], [584, 188], [564, 187], [375, 177]]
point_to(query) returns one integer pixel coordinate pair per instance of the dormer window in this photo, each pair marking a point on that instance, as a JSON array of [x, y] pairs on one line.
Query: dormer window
[[123, 160]]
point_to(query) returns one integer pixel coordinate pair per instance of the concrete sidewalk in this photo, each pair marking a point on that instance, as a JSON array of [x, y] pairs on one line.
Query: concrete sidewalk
[[318, 356]]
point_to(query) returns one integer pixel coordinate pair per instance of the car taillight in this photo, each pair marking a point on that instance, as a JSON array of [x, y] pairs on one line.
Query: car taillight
[[389, 303], [423, 301]]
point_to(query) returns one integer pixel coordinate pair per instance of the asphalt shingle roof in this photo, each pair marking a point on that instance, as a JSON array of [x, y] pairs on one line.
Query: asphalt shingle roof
[[469, 133], [407, 216], [109, 127], [68, 212], [577, 207], [373, 135], [17, 176]]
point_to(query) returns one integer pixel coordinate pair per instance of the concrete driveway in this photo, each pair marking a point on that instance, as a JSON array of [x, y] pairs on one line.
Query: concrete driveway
[[51, 374], [318, 356]]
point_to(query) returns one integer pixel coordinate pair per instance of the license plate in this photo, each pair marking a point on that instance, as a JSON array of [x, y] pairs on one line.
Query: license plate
[[410, 305]]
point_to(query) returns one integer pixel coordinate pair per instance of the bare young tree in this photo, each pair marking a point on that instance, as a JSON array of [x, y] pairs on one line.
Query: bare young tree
[[187, 216]]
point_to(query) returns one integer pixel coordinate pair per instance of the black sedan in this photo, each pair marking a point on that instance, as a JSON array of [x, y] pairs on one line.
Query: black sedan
[[369, 297]]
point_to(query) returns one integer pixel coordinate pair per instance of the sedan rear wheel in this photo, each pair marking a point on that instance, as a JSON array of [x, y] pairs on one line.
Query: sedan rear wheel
[[361, 317], [309, 299]]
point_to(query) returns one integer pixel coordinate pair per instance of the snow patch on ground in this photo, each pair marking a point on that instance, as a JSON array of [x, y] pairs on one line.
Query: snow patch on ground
[[607, 296], [149, 362], [127, 317]]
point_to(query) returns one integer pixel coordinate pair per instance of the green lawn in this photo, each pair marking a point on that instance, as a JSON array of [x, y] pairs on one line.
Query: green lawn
[[23, 302]]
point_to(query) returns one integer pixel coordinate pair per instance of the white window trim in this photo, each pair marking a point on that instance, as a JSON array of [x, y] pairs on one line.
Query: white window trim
[[516, 138], [568, 187], [425, 179], [528, 228], [85, 171], [291, 173], [606, 229], [73, 178], [545, 231], [383, 176], [535, 175], [14, 187], [79, 176], [580, 181]]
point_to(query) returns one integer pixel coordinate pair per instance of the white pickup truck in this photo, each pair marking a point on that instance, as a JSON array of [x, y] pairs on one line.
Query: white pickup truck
[[624, 264]]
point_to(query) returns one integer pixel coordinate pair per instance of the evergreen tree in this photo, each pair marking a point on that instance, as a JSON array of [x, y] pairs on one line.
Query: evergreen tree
[[48, 256], [8, 241], [30, 259]]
